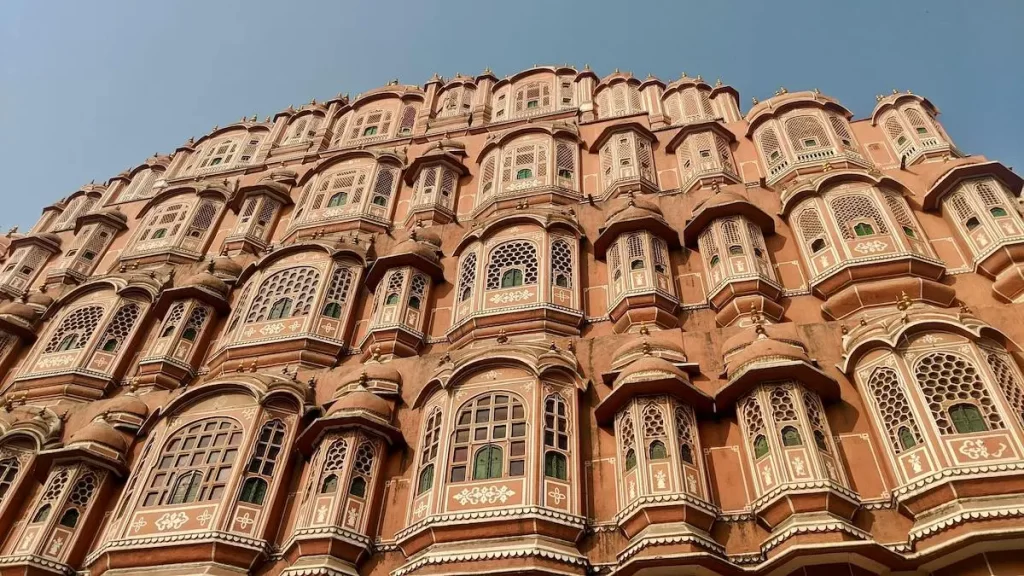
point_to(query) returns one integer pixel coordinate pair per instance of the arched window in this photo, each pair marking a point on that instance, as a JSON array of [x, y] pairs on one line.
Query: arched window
[[806, 133], [916, 121], [556, 436], [371, 123], [384, 185], [75, 329], [791, 437], [565, 164], [896, 133], [334, 461], [657, 450], [533, 97], [1008, 382], [894, 409], [428, 450], [898, 207], [196, 321], [467, 277], [512, 264], [362, 467], [842, 130], [417, 289], [857, 215], [488, 463], [655, 431], [487, 177], [760, 446], [268, 448], [967, 418], [626, 440], [770, 147], [337, 291], [254, 490], [555, 466], [523, 161], [8, 473], [69, 518], [42, 514], [408, 121], [812, 230], [495, 421], [561, 264], [120, 327], [286, 293], [753, 424], [947, 381], [685, 433], [195, 464]]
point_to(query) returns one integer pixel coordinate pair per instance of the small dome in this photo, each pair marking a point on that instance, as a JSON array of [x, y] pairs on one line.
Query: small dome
[[226, 266], [650, 368], [373, 375], [128, 404], [755, 344], [362, 401], [636, 349], [208, 281], [48, 236], [114, 213], [39, 299], [720, 199], [415, 246], [633, 208], [99, 432], [19, 310]]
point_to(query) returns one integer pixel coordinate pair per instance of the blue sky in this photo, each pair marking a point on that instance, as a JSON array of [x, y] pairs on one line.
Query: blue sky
[[88, 89]]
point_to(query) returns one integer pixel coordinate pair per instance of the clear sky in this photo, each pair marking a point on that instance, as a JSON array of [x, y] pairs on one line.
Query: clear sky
[[89, 88]]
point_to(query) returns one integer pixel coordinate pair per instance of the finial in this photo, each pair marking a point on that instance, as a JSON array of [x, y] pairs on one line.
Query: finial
[[964, 309], [572, 346], [878, 97], [253, 364], [644, 330], [375, 355], [444, 359], [904, 301], [844, 329], [311, 382], [699, 78], [758, 320], [363, 378], [753, 100], [553, 347], [254, 118], [190, 141], [487, 70], [827, 167], [908, 91], [215, 127], [312, 101], [895, 91], [683, 74], [616, 71], [650, 76], [718, 82], [716, 187], [816, 91], [209, 266], [645, 348], [502, 337]]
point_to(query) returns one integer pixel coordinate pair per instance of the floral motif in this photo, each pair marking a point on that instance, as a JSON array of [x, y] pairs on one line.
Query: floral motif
[[488, 495], [976, 449], [171, 521], [508, 297], [871, 247]]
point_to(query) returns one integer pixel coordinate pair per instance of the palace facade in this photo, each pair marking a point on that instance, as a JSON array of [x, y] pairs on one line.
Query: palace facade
[[546, 324]]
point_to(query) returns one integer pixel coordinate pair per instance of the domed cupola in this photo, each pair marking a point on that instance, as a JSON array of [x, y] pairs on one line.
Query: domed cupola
[[402, 281], [347, 447], [27, 256], [662, 482], [259, 205], [434, 176], [635, 242], [729, 231], [189, 310], [800, 133], [778, 393], [911, 128]]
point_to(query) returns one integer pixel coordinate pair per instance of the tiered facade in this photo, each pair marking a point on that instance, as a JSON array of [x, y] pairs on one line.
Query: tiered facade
[[545, 324]]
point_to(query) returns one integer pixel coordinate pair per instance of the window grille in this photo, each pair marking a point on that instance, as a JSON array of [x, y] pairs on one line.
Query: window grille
[[487, 177], [120, 328], [75, 329], [297, 284], [518, 255], [806, 133], [428, 451], [467, 277], [195, 464], [8, 474], [947, 379], [1009, 383], [855, 208], [686, 433], [842, 131], [492, 426], [408, 121], [894, 409], [384, 186], [561, 264], [770, 147]]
